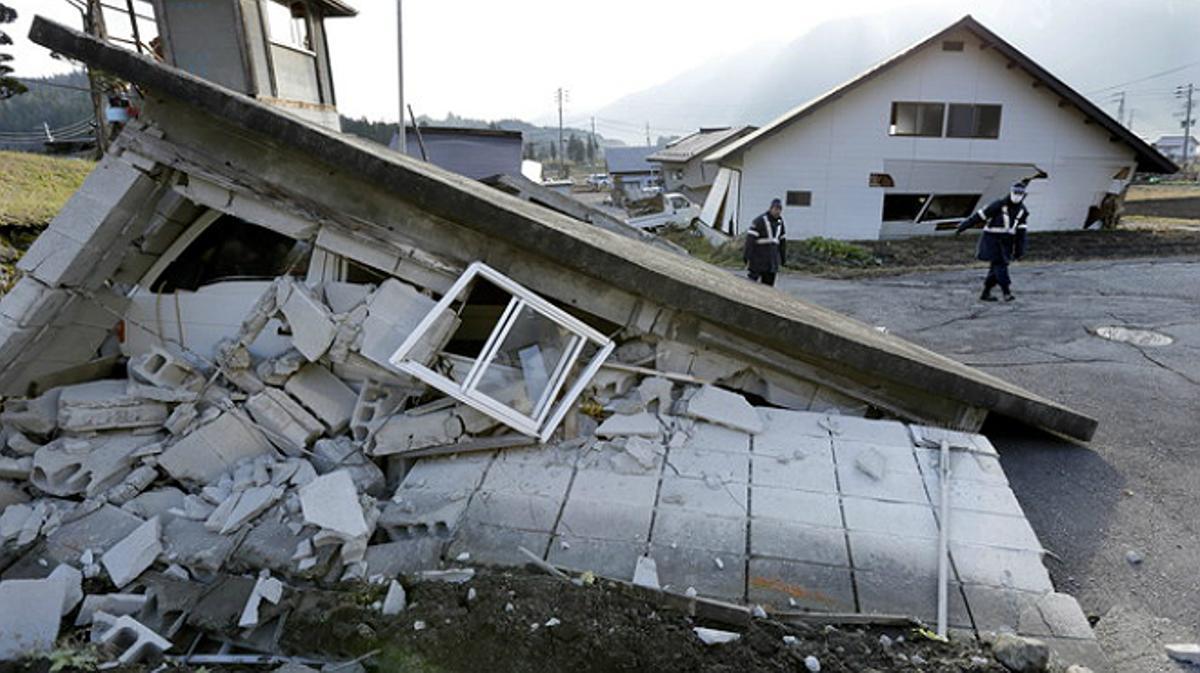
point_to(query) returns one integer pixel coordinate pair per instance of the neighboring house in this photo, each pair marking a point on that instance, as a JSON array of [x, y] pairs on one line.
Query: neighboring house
[[272, 50], [1172, 148], [682, 163], [924, 139], [634, 177], [475, 153]]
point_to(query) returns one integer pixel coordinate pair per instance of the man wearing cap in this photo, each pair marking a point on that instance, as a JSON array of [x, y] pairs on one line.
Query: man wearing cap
[[1003, 238], [766, 245]]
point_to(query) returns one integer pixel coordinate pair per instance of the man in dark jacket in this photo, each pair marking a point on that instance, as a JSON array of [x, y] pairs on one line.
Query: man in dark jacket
[[1003, 238], [766, 245]]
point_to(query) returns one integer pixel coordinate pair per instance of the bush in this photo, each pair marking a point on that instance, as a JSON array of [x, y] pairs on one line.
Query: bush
[[828, 251]]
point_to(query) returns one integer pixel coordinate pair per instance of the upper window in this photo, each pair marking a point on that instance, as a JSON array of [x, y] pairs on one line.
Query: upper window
[[917, 119], [799, 198], [952, 45], [973, 121], [287, 24], [233, 249]]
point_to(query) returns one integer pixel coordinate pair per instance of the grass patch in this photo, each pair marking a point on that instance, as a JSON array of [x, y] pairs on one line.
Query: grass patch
[[828, 251], [34, 187]]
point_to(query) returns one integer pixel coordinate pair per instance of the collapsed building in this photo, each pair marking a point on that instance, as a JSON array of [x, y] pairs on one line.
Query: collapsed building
[[253, 355]]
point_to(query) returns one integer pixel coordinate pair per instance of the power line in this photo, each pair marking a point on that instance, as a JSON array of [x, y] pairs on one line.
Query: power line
[[1148, 77]]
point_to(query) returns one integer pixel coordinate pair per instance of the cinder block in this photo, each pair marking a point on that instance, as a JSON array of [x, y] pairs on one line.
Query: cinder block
[[394, 311], [606, 558], [682, 567], [799, 470], [514, 510], [673, 526], [341, 453], [311, 322], [609, 519], [136, 642], [133, 555], [1055, 615], [330, 502], [324, 395], [724, 408], [213, 448], [160, 367], [69, 466], [37, 416], [374, 405], [31, 303], [798, 542], [805, 507], [115, 604], [417, 513], [407, 432], [284, 421], [33, 627], [712, 496], [106, 405], [993, 566], [890, 518]]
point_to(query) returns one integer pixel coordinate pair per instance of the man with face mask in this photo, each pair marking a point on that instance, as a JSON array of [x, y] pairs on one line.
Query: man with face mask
[[1003, 238], [766, 245]]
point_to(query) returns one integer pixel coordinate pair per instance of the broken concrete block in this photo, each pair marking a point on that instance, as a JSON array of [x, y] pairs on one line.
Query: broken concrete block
[[33, 627], [132, 556], [1023, 655], [645, 574], [284, 421], [72, 581], [31, 303], [277, 370], [38, 416], [341, 453], [11, 494], [330, 502], [1188, 653], [622, 425], [132, 485], [136, 642], [324, 395], [106, 405], [158, 367], [395, 601], [406, 432], [374, 405], [158, 502], [117, 605], [69, 466], [266, 588], [715, 636], [311, 322], [21, 445], [16, 468], [211, 449], [393, 312], [245, 506], [722, 407], [656, 389], [475, 422]]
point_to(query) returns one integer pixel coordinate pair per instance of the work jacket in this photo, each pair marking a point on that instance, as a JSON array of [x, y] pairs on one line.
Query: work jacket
[[766, 244], [1003, 238]]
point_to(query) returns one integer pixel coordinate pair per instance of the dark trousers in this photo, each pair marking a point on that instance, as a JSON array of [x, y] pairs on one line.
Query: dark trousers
[[764, 277], [997, 275]]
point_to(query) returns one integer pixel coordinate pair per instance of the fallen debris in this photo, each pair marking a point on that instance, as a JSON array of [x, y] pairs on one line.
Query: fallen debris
[[715, 636], [1188, 653]]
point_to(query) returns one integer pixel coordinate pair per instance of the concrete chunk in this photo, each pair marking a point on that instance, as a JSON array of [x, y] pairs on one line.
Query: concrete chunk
[[140, 643], [38, 416], [324, 395], [715, 636], [34, 626], [117, 605], [722, 407], [72, 581], [247, 505], [332, 454], [213, 448], [393, 312], [374, 405], [266, 588], [161, 368], [406, 432], [395, 601], [645, 574], [106, 405], [285, 422], [330, 502], [69, 466], [656, 388], [626, 425], [311, 322], [1188, 653], [132, 556]]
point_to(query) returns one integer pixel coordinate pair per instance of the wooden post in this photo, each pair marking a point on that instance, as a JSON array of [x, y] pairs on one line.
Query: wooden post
[[94, 26]]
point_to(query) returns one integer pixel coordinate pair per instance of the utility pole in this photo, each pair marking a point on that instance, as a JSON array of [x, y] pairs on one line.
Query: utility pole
[[93, 24], [1186, 94], [401, 139], [1120, 96], [594, 145], [647, 134], [1131, 111], [560, 97]]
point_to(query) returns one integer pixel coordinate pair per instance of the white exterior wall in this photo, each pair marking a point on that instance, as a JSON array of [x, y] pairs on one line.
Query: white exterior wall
[[833, 151]]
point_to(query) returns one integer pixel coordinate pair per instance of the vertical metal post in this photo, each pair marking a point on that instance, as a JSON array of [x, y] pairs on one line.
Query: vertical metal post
[[94, 25], [137, 35], [401, 139], [944, 540]]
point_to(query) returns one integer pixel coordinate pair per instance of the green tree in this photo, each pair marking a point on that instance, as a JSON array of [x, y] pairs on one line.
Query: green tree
[[9, 86], [591, 149], [576, 151]]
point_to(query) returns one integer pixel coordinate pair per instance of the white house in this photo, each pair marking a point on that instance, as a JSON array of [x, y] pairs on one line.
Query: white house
[[1172, 147], [923, 139]]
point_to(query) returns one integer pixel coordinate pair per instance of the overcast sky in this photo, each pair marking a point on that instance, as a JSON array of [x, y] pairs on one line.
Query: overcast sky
[[492, 60]]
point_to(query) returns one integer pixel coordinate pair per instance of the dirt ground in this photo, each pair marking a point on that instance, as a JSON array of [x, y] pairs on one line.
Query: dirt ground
[[600, 627]]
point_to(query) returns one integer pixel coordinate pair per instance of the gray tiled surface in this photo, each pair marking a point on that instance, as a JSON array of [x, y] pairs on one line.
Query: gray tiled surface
[[816, 513]]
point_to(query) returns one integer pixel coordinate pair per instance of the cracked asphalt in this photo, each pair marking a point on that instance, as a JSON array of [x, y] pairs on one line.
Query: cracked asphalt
[[1136, 486]]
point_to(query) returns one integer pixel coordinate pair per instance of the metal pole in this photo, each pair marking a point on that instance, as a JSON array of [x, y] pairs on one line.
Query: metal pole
[[133, 18], [1187, 128], [417, 133], [94, 25], [401, 139]]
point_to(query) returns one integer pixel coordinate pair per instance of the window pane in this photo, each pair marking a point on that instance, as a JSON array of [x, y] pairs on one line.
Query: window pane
[[987, 120], [799, 198], [527, 362], [904, 119], [902, 207], [931, 119], [287, 24], [962, 122], [950, 207]]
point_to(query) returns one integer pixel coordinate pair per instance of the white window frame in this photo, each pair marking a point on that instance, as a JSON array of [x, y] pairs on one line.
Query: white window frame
[[545, 417]]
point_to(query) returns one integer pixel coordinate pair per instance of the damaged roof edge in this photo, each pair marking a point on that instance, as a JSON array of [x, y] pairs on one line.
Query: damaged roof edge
[[685, 284]]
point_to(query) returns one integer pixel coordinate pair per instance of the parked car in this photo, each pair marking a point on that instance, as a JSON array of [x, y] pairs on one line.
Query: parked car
[[677, 209], [600, 181]]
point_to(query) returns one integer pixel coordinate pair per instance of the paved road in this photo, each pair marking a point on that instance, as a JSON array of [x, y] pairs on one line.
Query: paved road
[[1136, 486]]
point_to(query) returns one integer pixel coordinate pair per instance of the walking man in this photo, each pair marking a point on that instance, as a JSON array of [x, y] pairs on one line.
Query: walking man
[[1003, 238], [766, 245]]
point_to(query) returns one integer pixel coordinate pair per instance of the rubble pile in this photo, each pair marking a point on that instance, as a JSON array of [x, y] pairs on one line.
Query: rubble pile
[[187, 503]]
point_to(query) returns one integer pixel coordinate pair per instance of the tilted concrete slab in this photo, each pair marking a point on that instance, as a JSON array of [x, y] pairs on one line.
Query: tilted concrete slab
[[390, 197]]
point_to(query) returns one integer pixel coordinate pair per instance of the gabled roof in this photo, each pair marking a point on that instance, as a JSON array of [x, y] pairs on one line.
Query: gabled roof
[[336, 8], [1149, 159], [628, 159], [701, 142], [805, 337]]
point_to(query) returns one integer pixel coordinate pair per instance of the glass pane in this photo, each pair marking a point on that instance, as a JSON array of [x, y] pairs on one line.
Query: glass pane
[[931, 119], [988, 121], [950, 207], [527, 363], [962, 122], [904, 119]]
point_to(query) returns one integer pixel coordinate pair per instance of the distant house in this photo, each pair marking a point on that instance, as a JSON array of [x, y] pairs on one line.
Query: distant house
[[682, 165], [1172, 147], [634, 176], [475, 153], [926, 138]]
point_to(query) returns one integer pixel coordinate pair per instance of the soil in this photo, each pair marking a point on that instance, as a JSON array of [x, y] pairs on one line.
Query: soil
[[602, 627]]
